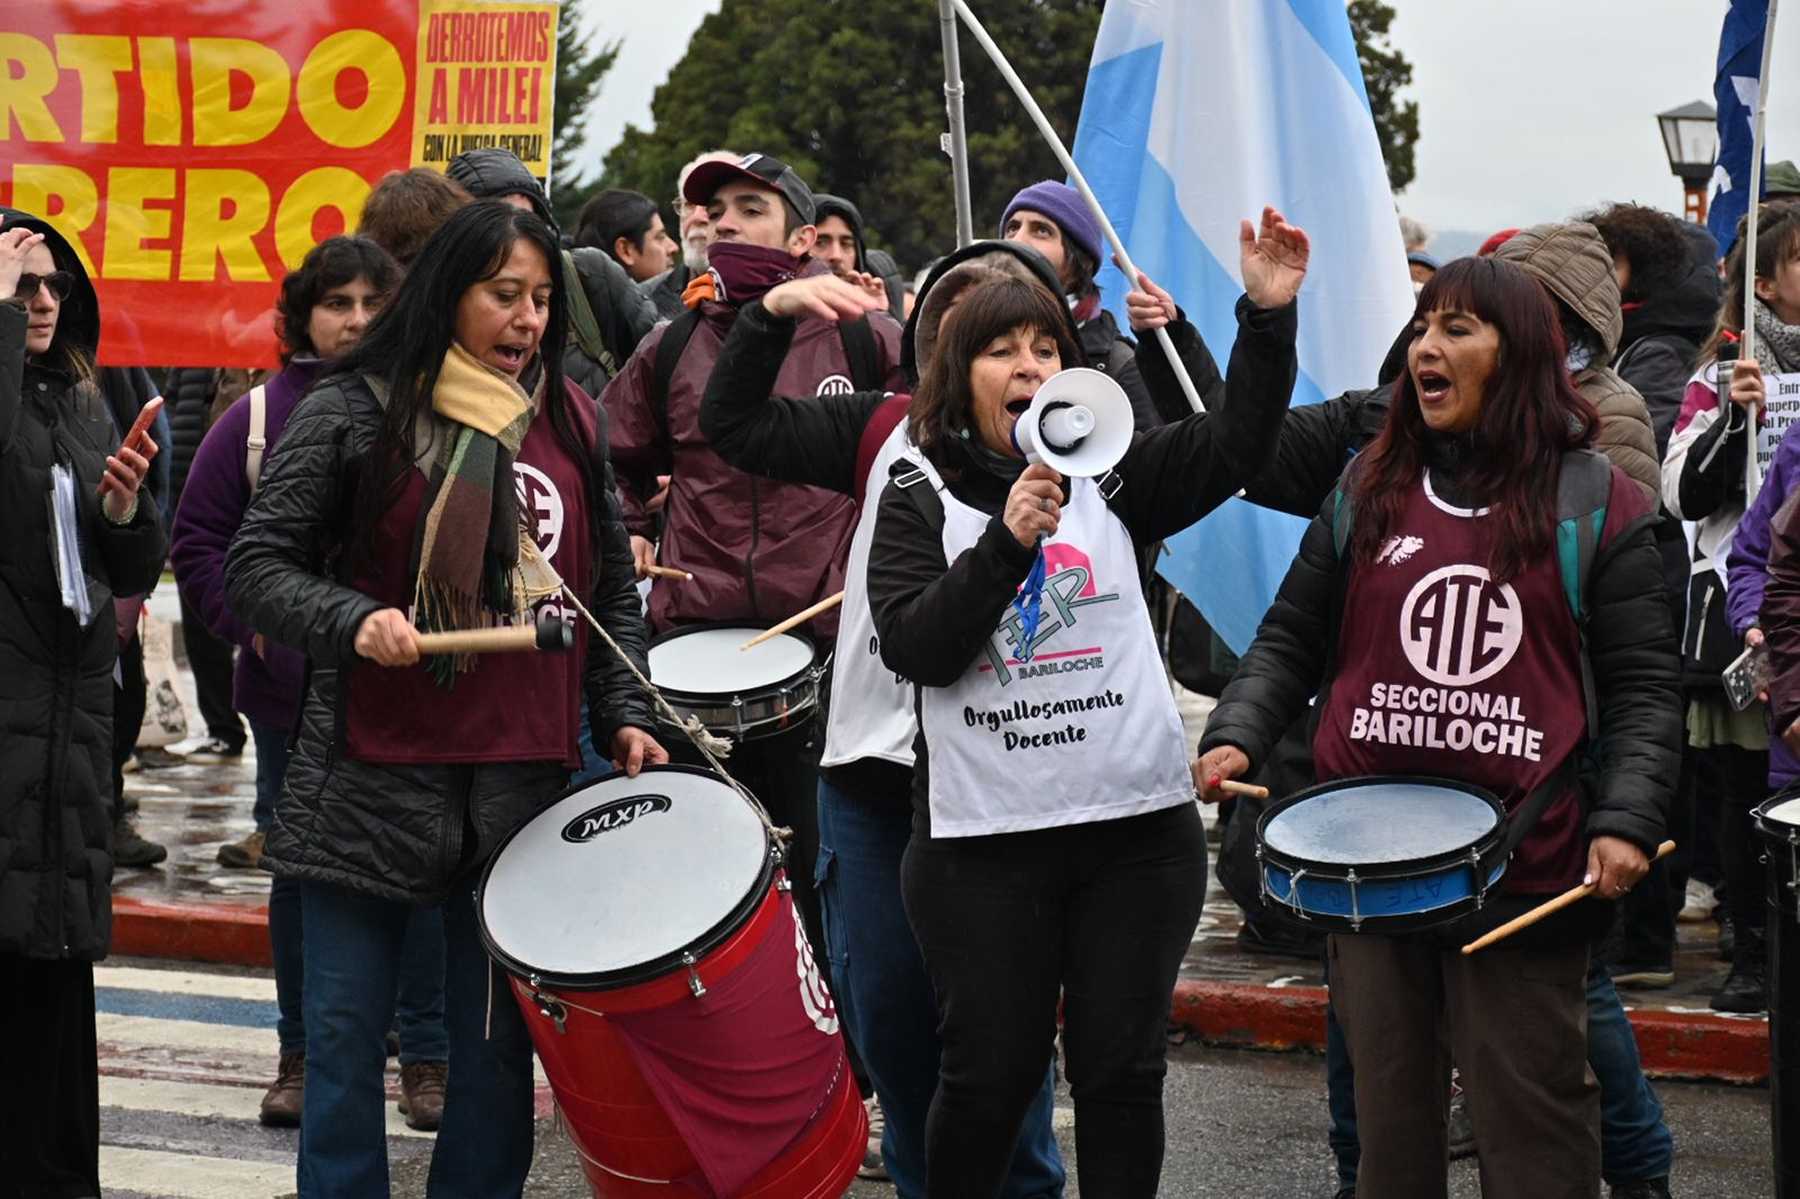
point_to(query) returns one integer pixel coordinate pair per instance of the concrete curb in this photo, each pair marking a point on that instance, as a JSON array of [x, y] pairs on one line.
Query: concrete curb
[[1673, 1044]]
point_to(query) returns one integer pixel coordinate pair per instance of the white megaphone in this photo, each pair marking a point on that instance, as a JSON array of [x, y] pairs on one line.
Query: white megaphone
[[1079, 424]]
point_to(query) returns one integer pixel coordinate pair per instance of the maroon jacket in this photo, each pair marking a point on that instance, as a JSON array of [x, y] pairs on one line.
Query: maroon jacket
[[759, 551]]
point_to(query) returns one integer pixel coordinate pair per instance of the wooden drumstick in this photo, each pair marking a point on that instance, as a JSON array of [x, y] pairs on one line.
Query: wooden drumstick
[[798, 618], [1248, 790], [668, 572], [550, 634], [1549, 908]]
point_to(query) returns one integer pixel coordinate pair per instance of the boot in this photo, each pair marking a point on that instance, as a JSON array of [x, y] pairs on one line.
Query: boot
[[422, 1094], [129, 849], [243, 855], [1746, 988], [281, 1105], [1643, 1188]]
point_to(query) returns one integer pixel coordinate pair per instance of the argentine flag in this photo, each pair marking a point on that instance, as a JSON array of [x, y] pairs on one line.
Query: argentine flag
[[1196, 115]]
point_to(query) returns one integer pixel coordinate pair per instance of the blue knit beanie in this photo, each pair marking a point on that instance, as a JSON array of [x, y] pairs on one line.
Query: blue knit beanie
[[1062, 204]]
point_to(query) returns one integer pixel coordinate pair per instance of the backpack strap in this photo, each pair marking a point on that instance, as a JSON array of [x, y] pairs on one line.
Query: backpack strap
[[859, 349], [582, 321], [882, 423], [669, 350], [257, 442], [907, 474], [1582, 491]]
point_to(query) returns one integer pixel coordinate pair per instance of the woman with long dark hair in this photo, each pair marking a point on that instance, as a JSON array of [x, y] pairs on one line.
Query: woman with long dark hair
[[1435, 580], [1056, 850], [393, 508]]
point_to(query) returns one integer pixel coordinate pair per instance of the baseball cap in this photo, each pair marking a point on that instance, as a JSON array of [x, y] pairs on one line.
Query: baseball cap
[[707, 178]]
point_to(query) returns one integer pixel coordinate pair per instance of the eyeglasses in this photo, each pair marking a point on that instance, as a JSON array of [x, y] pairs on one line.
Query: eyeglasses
[[60, 283]]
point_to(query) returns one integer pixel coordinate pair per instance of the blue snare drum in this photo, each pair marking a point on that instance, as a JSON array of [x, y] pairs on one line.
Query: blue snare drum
[[1387, 853]]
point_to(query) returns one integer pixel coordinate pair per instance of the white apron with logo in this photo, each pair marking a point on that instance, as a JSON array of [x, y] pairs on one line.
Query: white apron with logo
[[1085, 731], [871, 713]]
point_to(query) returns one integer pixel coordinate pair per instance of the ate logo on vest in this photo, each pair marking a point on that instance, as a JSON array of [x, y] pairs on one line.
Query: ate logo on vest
[[539, 495], [1458, 628], [613, 815], [835, 385]]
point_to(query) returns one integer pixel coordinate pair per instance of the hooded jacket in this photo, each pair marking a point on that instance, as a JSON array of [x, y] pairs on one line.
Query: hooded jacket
[[1572, 262], [56, 711], [623, 311], [1663, 333], [759, 551]]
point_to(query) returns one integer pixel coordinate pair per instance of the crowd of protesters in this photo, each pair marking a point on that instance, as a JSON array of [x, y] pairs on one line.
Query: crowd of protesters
[[744, 392]]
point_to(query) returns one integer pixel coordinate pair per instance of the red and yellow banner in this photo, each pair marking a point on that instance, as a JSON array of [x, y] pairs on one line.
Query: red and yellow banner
[[194, 151]]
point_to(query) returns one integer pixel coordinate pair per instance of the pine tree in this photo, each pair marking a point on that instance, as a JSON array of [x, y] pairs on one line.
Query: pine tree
[[1385, 72]]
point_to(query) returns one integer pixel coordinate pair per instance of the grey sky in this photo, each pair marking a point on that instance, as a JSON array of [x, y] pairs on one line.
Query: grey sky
[[1529, 110]]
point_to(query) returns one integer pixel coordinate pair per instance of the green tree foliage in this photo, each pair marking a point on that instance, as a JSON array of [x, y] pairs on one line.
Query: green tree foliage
[[1385, 71], [851, 93], [580, 66]]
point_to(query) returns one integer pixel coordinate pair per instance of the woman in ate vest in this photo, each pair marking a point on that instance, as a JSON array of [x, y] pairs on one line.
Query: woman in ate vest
[[1056, 850], [1449, 586], [394, 506], [323, 310], [847, 443]]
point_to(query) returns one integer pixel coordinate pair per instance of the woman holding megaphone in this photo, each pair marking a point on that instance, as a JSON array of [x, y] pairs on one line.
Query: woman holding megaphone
[[1056, 849]]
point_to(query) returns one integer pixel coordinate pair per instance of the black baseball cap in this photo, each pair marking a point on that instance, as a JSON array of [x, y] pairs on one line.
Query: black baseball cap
[[706, 179]]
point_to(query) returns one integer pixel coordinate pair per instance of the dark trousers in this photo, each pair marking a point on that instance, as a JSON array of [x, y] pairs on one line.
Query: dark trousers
[[1515, 1020], [130, 695], [1735, 781], [1099, 914], [1646, 927], [49, 1080], [210, 660]]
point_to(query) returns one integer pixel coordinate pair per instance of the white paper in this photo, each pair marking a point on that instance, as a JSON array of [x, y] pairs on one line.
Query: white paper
[[66, 521]]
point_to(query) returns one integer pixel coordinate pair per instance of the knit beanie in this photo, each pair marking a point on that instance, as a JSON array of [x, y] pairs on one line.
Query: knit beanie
[[1062, 204]]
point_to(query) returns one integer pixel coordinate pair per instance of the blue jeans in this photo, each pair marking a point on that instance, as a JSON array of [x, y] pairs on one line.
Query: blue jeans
[[419, 1007], [885, 998], [354, 949], [1635, 1143], [594, 763]]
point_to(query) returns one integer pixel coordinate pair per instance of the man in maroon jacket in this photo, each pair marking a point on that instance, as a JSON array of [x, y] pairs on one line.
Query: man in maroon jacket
[[758, 551]]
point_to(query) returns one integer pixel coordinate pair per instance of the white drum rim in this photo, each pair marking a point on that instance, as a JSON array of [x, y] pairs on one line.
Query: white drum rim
[[1785, 813], [1392, 866], [724, 694], [639, 972]]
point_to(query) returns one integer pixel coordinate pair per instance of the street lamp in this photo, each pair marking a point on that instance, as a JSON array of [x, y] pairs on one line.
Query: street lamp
[[1691, 140]]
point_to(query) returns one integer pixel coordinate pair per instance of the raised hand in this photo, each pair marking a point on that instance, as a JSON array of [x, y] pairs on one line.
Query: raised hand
[[15, 244], [826, 297], [1148, 306], [1273, 260]]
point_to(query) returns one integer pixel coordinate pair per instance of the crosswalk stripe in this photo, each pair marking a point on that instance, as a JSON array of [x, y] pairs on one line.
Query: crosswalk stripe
[[211, 1101], [156, 1032], [176, 982], [184, 1176]]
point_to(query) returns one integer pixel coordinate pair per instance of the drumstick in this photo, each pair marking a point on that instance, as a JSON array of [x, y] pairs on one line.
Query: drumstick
[[668, 572], [1549, 908], [798, 618], [1248, 790], [550, 634]]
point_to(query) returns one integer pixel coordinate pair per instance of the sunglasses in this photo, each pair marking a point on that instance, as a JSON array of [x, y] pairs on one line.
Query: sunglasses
[[60, 283]]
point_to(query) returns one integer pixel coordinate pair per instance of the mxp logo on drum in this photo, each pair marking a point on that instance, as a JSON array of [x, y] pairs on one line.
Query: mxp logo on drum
[[610, 816]]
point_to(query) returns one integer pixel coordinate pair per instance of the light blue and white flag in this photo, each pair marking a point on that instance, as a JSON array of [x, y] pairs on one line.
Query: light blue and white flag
[[1195, 116]]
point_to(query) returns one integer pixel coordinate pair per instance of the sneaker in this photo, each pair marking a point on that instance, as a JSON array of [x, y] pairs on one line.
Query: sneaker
[[213, 750], [281, 1105], [422, 1094], [129, 849], [873, 1167], [1699, 904], [1462, 1129], [157, 759], [1643, 1188], [243, 855], [1644, 974]]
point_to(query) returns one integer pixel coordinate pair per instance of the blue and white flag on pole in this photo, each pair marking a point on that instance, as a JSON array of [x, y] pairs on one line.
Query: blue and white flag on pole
[[1735, 90], [1195, 116]]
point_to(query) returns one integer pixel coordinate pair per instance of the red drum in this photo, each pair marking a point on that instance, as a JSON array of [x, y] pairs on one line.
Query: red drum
[[673, 999]]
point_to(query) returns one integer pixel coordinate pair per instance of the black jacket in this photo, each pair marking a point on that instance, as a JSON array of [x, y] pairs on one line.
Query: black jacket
[[398, 832], [664, 291], [933, 619], [188, 400], [621, 309], [1663, 334], [1116, 355], [56, 703]]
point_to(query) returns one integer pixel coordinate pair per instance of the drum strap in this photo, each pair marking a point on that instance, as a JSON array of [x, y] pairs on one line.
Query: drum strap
[[1522, 819]]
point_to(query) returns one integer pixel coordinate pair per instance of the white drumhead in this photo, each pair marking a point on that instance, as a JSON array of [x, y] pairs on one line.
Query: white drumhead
[[709, 662], [1786, 812], [1374, 823], [624, 872]]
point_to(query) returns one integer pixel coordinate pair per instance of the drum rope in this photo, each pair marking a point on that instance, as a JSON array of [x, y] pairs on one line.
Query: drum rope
[[711, 747]]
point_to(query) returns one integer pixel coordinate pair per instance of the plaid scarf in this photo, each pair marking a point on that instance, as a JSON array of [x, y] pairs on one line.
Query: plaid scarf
[[468, 551]]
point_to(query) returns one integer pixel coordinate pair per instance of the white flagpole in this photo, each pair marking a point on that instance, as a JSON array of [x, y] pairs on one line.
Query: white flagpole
[[956, 141], [1747, 346], [1081, 185]]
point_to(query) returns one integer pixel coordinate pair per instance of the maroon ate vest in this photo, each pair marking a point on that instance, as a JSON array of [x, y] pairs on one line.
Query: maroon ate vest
[[1443, 673], [518, 707]]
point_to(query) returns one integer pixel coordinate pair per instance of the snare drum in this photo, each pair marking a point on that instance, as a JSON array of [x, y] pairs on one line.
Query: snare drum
[[681, 1019], [739, 693], [1389, 853], [1778, 823]]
